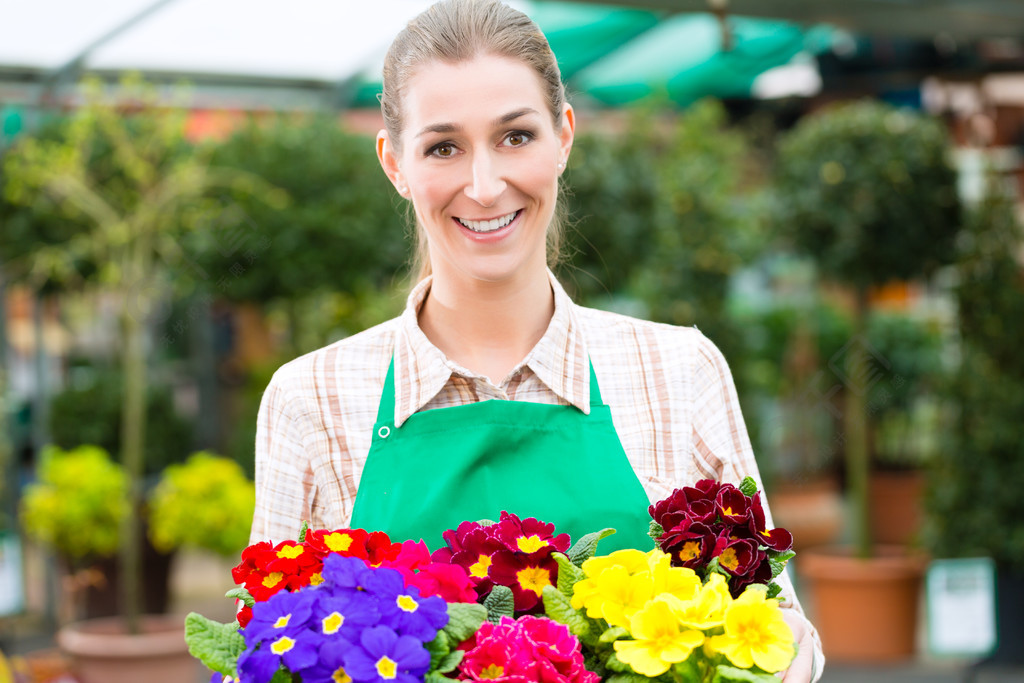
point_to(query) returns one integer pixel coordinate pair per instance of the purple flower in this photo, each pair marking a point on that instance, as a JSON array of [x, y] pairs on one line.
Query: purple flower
[[342, 573], [345, 615], [330, 665], [383, 656], [296, 652], [283, 614], [403, 609]]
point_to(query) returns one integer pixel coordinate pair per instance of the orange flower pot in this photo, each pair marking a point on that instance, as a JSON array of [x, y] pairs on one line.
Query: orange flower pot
[[864, 610]]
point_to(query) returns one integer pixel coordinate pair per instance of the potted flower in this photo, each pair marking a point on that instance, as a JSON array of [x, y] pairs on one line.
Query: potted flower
[[206, 503], [76, 507], [867, 191]]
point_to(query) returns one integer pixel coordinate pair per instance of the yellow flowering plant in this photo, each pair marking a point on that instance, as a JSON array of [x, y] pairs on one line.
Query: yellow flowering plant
[[639, 618]]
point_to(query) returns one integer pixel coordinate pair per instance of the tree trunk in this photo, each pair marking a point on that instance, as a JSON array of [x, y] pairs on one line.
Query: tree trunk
[[856, 424]]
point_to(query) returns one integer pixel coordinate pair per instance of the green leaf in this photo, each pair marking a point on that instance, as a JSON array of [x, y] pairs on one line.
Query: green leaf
[[450, 662], [302, 531], [584, 548], [777, 561], [730, 674], [283, 676], [242, 594], [773, 591], [628, 677], [486, 522], [615, 664], [215, 644], [557, 606], [434, 677], [500, 602], [748, 487], [464, 618], [439, 648], [655, 531], [568, 574], [613, 634]]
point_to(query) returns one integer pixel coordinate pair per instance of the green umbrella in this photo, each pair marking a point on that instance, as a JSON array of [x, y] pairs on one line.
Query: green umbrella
[[682, 58]]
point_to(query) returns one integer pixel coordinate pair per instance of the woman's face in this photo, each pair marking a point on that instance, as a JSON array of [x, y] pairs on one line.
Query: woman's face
[[480, 158]]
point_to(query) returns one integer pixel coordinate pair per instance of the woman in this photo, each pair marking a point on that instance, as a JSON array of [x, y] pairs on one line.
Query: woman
[[493, 391]]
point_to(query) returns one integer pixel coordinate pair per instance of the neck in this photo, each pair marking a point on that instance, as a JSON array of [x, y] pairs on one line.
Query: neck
[[487, 327]]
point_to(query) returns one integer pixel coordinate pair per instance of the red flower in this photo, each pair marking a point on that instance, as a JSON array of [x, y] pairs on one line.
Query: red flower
[[450, 581], [244, 616], [347, 542], [777, 539], [526, 575], [690, 544], [530, 536], [732, 505], [380, 549]]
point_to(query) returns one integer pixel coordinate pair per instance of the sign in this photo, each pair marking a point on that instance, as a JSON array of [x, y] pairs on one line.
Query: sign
[[961, 599]]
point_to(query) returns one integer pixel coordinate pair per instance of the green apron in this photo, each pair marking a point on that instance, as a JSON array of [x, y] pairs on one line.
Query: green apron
[[471, 462]]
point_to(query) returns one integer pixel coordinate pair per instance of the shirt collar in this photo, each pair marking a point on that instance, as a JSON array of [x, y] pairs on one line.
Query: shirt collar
[[560, 359]]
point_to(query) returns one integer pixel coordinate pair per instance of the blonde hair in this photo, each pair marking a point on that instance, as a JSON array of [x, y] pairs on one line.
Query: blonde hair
[[456, 31]]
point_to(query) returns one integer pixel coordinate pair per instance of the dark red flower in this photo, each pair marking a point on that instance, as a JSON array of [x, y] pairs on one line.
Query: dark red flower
[[526, 575], [690, 544], [777, 539], [733, 506], [530, 536]]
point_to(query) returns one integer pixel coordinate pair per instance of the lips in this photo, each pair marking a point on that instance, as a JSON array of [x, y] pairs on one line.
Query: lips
[[490, 225]]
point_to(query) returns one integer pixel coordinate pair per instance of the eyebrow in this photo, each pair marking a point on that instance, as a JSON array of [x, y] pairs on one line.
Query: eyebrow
[[500, 121]]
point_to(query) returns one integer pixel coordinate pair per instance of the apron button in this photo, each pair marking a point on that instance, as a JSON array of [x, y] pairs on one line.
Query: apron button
[[384, 432]]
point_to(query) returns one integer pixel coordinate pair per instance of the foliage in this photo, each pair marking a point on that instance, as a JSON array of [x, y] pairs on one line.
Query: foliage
[[974, 491], [340, 231], [868, 191], [89, 411], [78, 503], [207, 502]]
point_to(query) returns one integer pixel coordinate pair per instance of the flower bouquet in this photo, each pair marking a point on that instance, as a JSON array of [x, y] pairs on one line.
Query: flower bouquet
[[511, 601]]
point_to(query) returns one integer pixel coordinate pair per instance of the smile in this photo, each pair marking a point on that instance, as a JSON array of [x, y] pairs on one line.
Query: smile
[[488, 226]]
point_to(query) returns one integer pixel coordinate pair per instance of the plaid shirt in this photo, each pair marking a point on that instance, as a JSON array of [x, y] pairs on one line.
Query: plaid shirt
[[671, 394]]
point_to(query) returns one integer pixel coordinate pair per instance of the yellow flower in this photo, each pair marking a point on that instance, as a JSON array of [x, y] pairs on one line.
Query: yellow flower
[[681, 582], [614, 595], [755, 633], [632, 561], [706, 610], [659, 641]]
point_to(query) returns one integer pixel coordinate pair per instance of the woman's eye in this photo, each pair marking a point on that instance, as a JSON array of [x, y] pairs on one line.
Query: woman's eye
[[517, 139], [443, 150]]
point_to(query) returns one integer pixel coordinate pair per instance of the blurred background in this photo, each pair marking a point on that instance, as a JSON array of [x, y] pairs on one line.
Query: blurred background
[[831, 191]]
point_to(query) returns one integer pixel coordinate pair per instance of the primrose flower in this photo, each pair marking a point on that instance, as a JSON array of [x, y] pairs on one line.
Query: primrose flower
[[706, 610], [348, 542], [283, 614], [403, 609], [526, 575], [755, 633], [614, 595], [525, 650], [383, 656], [659, 640]]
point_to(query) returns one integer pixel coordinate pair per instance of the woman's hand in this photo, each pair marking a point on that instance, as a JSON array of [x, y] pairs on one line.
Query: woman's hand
[[803, 666]]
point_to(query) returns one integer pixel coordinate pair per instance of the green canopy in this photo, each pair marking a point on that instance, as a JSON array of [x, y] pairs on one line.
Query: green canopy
[[618, 56]]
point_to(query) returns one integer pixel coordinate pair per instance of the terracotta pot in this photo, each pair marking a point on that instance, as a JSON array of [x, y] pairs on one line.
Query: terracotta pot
[[896, 508], [812, 511], [101, 651], [865, 610]]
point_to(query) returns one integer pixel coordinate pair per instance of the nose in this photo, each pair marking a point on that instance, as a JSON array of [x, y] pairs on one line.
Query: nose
[[486, 184]]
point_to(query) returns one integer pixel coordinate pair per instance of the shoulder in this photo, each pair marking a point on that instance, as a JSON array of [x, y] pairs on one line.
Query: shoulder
[[617, 334], [350, 363]]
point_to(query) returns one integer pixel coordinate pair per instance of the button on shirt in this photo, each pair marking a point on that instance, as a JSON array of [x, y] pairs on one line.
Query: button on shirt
[[672, 399]]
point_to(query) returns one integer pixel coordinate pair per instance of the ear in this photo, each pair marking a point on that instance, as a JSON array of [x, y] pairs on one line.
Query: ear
[[567, 133], [389, 162]]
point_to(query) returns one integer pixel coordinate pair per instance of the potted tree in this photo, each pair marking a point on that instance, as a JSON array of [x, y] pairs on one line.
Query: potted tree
[[125, 173], [973, 498], [866, 190]]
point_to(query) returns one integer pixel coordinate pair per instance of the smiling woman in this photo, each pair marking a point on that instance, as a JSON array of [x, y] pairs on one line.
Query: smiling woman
[[494, 391]]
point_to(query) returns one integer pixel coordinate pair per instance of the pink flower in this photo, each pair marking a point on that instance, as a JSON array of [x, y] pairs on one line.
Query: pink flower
[[530, 649]]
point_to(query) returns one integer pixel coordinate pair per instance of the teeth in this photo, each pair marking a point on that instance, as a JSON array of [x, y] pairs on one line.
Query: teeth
[[489, 226]]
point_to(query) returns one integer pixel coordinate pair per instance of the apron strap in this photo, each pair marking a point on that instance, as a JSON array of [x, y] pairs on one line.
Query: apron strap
[[386, 408]]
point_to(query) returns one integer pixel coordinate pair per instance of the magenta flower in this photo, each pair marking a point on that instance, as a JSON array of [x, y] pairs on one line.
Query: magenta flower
[[524, 651]]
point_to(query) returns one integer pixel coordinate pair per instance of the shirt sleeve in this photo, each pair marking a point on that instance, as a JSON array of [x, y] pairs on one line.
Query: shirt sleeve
[[720, 439], [285, 482]]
